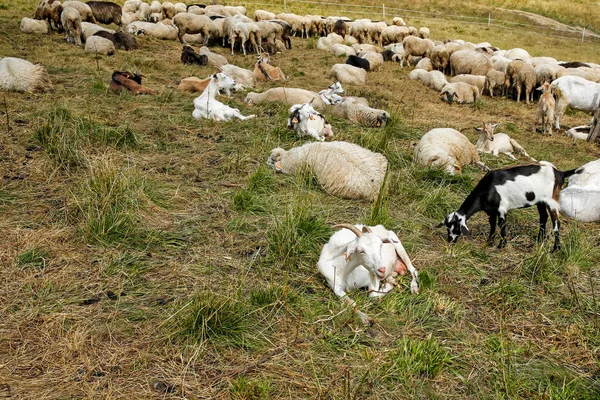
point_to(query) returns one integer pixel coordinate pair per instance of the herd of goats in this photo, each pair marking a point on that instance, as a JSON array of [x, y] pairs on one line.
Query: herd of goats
[[355, 256]]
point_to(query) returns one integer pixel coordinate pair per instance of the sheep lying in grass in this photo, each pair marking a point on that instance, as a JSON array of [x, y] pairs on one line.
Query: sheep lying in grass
[[361, 114], [29, 25], [159, 31], [375, 59], [326, 42], [88, 29], [342, 169], [474, 80], [214, 59], [289, 96], [493, 143], [242, 76], [348, 74], [99, 45], [580, 199], [446, 148], [206, 105], [20, 75], [459, 92], [307, 121], [364, 257]]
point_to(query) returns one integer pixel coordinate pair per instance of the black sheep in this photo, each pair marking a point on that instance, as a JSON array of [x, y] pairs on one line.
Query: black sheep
[[574, 64], [359, 62], [387, 55], [121, 40], [189, 56], [106, 12]]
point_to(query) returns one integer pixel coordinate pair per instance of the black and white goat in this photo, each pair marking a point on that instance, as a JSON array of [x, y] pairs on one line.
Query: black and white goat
[[505, 189]]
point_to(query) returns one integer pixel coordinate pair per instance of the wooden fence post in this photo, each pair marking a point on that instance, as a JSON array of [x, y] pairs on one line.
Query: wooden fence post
[[594, 135]]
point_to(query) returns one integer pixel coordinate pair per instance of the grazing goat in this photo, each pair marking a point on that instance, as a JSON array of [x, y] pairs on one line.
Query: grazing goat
[[505, 189], [307, 121], [206, 106], [494, 143], [574, 92], [360, 256]]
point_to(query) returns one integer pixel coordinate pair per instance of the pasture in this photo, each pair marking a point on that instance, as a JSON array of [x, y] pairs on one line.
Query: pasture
[[145, 254]]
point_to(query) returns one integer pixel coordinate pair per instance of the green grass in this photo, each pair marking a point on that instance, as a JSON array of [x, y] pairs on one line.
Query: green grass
[[34, 257]]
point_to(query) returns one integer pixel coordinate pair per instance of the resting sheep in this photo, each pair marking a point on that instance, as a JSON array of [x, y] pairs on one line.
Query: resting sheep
[[121, 40], [342, 169], [446, 148], [325, 43], [214, 59], [289, 96], [459, 92], [375, 59], [580, 200], [158, 31], [348, 74], [340, 50], [474, 80], [361, 114], [493, 143], [20, 75], [88, 29], [99, 45], [358, 62], [29, 25]]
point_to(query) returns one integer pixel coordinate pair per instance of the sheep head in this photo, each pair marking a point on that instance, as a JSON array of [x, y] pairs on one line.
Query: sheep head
[[274, 160]]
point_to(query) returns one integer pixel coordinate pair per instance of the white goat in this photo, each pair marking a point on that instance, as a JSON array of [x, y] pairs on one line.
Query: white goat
[[574, 92], [206, 106], [494, 143], [361, 256], [580, 200], [307, 121], [331, 95]]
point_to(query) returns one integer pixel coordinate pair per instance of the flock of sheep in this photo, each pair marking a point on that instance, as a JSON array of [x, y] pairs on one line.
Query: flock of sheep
[[356, 256]]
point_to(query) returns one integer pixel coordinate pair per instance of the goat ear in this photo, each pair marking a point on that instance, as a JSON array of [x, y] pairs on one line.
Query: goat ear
[[478, 129], [464, 230], [351, 249]]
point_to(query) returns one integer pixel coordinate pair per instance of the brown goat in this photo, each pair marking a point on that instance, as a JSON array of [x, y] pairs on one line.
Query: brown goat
[[264, 71], [132, 82]]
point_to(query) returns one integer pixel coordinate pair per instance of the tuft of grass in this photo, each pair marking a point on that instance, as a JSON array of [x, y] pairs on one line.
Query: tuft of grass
[[415, 359], [255, 389], [245, 200], [33, 257], [262, 180]]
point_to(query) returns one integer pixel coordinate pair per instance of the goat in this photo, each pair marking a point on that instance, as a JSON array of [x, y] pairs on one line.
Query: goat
[[545, 108], [331, 95], [189, 56], [307, 121], [126, 80], [493, 143], [361, 256], [206, 106], [505, 189], [264, 71]]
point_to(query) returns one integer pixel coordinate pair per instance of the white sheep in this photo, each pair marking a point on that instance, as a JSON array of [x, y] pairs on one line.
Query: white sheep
[[574, 92], [144, 12], [289, 96], [238, 32], [393, 34], [307, 121], [475, 80], [158, 31], [398, 21], [448, 149], [361, 114], [360, 48], [242, 76], [416, 47], [99, 45], [88, 29], [494, 143], [37, 26], [20, 75], [342, 169], [348, 74], [364, 257], [71, 22], [214, 59], [419, 75], [424, 63], [260, 15], [192, 24], [325, 43], [155, 7], [375, 59], [469, 62], [339, 50], [521, 75], [206, 105], [435, 80], [518, 54], [85, 11], [424, 32], [459, 92], [494, 80]]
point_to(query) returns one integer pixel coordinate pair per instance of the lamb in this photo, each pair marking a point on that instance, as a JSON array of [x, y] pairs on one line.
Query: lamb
[[579, 200], [159, 31], [424, 63], [189, 56], [50, 11], [206, 105], [20, 75], [106, 12], [545, 108], [502, 190], [414, 46], [375, 59], [29, 25], [459, 92], [446, 148], [238, 31], [342, 169], [494, 80], [574, 92], [99, 45], [121, 40], [424, 33], [214, 59], [360, 256], [325, 43], [242, 76], [521, 76], [264, 71], [347, 74], [469, 62], [88, 29], [192, 23], [474, 80], [358, 62], [85, 11], [331, 95], [71, 22], [289, 96], [493, 143], [307, 121]]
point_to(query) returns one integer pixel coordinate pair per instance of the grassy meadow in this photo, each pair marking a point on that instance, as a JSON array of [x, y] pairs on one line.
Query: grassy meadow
[[145, 254]]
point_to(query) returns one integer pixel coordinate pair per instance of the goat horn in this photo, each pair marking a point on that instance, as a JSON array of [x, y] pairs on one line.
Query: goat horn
[[349, 227], [366, 229]]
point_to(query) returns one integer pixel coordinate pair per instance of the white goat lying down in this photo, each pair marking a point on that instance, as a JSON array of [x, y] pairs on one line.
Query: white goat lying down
[[580, 200], [331, 95], [206, 106], [365, 257], [494, 143], [307, 121], [343, 169]]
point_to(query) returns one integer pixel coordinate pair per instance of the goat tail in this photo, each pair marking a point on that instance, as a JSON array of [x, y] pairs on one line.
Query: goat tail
[[264, 71]]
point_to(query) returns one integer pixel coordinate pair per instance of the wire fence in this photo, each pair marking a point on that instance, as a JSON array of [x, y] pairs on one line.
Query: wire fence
[[383, 12]]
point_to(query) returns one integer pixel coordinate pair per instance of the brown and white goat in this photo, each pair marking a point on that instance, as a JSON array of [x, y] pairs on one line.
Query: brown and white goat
[[545, 108], [264, 71]]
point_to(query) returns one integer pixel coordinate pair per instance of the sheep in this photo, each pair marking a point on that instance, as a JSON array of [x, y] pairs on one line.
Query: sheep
[[573, 64], [435, 80], [307, 121], [340, 50], [493, 143], [99, 45], [238, 31], [85, 11], [49, 10], [535, 61], [242, 76], [106, 12], [469, 62], [412, 31], [440, 58], [325, 43], [502, 190], [574, 92], [590, 74], [521, 76], [446, 148], [359, 48], [255, 37], [358, 62], [374, 30], [168, 10], [350, 40], [494, 80], [424, 33], [131, 6], [20, 75], [260, 15], [214, 59], [517, 54], [289, 96], [179, 8], [189, 56], [264, 71], [206, 105], [500, 63], [29, 25], [348, 74], [360, 256], [548, 73], [375, 59], [414, 46], [579, 200], [420, 75], [475, 80], [155, 7], [144, 12], [159, 31], [294, 20], [581, 132], [71, 22], [545, 108], [192, 23], [342, 169], [88, 29], [359, 29], [361, 114], [121, 40], [269, 32], [424, 63], [459, 92], [340, 28], [398, 21]]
